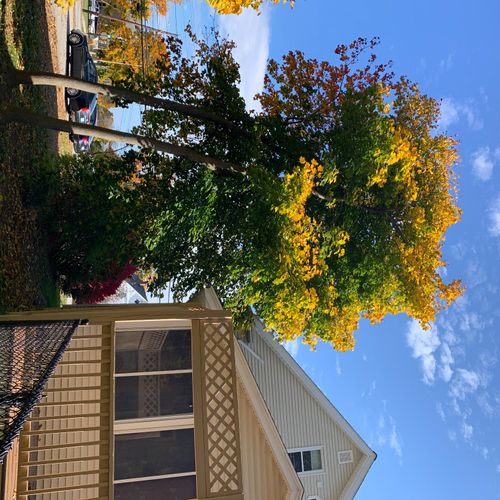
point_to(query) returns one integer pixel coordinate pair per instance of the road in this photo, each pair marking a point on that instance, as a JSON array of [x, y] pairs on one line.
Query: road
[[64, 23]]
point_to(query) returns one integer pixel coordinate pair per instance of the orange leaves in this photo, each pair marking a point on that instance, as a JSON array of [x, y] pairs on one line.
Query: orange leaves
[[124, 53]]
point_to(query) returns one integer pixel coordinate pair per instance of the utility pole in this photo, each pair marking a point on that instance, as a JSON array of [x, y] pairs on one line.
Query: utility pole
[[126, 21], [142, 36]]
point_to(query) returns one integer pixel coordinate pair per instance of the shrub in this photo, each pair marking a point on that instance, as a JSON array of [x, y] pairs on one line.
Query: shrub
[[95, 292], [94, 212]]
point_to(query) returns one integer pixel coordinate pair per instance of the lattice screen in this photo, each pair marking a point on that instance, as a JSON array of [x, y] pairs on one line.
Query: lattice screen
[[221, 433]]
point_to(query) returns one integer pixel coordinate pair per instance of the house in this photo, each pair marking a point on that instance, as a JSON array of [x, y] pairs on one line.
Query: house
[[149, 402], [131, 291], [154, 401], [330, 458]]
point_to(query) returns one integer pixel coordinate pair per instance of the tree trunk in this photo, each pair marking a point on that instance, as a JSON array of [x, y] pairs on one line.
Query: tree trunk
[[17, 77], [23, 116]]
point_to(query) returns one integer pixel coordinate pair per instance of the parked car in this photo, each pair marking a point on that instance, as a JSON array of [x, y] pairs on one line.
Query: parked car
[[81, 106], [88, 116]]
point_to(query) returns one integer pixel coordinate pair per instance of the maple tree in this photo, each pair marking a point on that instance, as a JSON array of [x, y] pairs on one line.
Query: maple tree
[[133, 9], [348, 194], [123, 56], [328, 205]]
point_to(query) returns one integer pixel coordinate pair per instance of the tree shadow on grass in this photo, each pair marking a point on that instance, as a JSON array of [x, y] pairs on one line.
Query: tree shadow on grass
[[26, 280]]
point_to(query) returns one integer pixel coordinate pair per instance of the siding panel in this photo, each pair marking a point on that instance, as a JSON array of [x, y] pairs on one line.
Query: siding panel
[[301, 420], [65, 445], [263, 479]]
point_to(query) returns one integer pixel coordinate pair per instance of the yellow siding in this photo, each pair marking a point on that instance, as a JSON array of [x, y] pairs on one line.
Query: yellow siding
[[262, 478], [301, 421], [65, 445]]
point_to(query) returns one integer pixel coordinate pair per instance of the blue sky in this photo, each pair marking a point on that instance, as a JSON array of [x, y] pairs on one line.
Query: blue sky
[[427, 402]]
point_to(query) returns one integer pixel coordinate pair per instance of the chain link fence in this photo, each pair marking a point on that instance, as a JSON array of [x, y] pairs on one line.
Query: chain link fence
[[29, 353]]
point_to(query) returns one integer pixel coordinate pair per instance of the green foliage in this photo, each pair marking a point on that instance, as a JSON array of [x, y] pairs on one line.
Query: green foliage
[[336, 217], [94, 207], [341, 213]]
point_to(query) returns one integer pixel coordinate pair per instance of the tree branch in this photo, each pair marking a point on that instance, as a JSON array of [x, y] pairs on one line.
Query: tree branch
[[23, 116], [17, 77]]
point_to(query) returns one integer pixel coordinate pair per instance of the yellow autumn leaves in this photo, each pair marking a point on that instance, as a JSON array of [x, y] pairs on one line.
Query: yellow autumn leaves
[[237, 6], [221, 6], [302, 267], [65, 4]]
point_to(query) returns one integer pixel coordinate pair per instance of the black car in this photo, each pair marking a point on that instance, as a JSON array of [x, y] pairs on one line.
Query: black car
[[80, 65], [81, 106], [88, 116]]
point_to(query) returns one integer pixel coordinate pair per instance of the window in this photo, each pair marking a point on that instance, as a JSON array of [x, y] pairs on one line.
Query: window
[[153, 375], [154, 423], [306, 460]]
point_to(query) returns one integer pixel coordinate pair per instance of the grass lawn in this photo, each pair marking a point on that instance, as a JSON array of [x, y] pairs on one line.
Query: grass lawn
[[26, 280]]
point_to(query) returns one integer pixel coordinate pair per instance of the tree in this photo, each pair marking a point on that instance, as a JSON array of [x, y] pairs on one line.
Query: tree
[[345, 167], [124, 54], [237, 6], [134, 8], [330, 204]]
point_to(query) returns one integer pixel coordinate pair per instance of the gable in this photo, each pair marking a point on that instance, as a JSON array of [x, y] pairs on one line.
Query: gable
[[305, 419]]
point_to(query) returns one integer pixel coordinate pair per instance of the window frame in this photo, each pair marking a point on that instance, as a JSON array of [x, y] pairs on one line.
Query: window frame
[[319, 448], [158, 423]]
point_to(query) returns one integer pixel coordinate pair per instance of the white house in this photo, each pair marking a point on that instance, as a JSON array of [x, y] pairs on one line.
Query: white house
[[330, 458]]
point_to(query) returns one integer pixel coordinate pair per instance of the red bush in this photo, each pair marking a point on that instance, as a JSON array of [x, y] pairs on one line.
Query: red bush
[[97, 291]]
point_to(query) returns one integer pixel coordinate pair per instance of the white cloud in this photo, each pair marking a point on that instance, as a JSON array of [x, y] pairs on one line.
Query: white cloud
[[338, 368], [446, 361], [449, 113], [364, 357], [489, 404], [440, 411], [485, 452], [483, 163], [452, 111], [292, 346], [395, 442], [452, 435], [498, 468], [387, 434], [494, 214], [464, 382], [423, 344], [467, 431], [250, 32], [447, 63]]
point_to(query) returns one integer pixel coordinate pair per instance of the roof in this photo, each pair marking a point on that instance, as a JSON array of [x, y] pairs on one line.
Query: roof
[[135, 282], [208, 297]]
